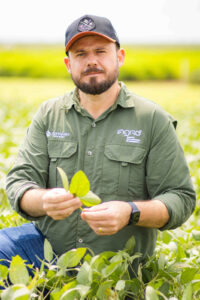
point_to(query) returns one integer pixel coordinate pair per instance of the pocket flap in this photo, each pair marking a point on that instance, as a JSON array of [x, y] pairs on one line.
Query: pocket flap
[[125, 153], [61, 149]]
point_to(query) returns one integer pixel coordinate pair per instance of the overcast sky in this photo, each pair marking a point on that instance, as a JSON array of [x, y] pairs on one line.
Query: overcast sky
[[136, 21]]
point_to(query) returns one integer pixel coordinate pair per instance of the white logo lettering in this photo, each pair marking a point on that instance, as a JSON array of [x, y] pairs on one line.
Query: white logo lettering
[[55, 134], [130, 135]]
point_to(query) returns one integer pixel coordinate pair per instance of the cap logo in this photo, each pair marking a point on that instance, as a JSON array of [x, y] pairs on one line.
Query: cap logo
[[86, 24]]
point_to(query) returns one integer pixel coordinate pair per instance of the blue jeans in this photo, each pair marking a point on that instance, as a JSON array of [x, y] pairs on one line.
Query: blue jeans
[[25, 240]]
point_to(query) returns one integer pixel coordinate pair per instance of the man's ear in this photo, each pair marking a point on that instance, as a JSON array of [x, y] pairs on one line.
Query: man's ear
[[121, 56], [67, 63]]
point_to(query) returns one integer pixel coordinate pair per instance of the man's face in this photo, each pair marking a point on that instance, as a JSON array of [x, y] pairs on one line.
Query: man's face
[[94, 64]]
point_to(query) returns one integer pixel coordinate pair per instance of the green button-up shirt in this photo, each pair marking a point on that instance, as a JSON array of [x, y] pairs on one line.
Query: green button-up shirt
[[131, 152]]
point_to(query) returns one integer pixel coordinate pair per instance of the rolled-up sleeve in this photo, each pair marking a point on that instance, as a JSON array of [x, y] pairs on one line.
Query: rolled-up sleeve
[[30, 170], [168, 177]]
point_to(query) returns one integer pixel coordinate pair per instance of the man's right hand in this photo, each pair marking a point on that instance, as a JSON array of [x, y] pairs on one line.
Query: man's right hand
[[59, 204], [56, 203]]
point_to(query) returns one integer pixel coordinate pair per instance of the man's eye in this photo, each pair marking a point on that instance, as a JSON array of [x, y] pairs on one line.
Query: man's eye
[[101, 51], [80, 54]]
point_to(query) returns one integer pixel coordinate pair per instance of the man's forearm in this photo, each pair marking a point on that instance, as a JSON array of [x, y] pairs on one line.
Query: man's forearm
[[31, 202], [153, 213]]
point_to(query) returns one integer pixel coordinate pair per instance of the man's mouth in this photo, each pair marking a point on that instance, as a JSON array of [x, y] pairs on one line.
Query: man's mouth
[[93, 71]]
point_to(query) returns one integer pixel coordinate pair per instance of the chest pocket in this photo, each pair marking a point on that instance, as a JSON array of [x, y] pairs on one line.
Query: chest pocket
[[123, 170], [63, 155]]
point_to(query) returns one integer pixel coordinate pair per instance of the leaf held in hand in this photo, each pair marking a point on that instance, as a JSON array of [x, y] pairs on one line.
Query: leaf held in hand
[[90, 199], [79, 185], [64, 178]]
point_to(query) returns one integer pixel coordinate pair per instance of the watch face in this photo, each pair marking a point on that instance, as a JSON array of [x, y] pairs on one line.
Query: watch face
[[135, 214], [135, 217]]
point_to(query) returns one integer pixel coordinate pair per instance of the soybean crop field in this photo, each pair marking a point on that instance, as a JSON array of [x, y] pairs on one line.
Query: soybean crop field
[[174, 270], [154, 62]]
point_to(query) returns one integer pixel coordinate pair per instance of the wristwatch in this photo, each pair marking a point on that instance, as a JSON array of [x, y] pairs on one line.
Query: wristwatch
[[135, 214]]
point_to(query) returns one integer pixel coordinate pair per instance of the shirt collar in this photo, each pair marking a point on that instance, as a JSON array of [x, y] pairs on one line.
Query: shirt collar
[[124, 99], [72, 99]]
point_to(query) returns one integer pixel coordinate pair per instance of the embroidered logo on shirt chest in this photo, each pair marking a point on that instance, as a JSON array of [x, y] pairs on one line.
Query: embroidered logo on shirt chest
[[132, 136], [60, 135]]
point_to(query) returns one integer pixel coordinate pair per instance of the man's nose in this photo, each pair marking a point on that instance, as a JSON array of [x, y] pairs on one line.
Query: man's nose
[[92, 60]]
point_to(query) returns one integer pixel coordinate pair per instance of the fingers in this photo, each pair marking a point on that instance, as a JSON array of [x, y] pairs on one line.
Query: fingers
[[102, 224], [59, 204], [106, 230], [88, 215], [107, 218]]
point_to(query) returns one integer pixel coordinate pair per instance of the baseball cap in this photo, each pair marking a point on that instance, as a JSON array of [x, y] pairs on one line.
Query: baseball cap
[[90, 25]]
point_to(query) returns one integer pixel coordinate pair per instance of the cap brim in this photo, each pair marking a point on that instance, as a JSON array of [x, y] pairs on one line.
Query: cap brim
[[81, 34]]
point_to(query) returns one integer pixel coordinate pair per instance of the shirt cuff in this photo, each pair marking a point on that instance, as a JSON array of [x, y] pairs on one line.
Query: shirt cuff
[[175, 208], [19, 194]]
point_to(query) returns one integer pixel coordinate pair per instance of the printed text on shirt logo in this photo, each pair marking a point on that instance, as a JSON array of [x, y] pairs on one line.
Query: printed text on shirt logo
[[131, 135], [55, 134]]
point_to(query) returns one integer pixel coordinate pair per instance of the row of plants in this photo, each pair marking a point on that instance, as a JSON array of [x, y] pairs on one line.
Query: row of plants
[[172, 273], [142, 62]]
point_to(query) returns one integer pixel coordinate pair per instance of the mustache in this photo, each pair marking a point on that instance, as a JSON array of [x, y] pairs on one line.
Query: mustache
[[91, 70]]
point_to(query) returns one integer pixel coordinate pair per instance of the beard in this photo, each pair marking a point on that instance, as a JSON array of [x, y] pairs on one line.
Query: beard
[[93, 87]]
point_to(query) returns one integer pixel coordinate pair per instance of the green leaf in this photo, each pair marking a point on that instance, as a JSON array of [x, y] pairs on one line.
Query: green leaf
[[166, 237], [90, 199], [187, 295], [18, 272], [79, 185], [130, 245], [187, 275], [64, 178], [48, 251], [133, 285], [107, 271], [70, 295], [164, 288], [102, 290], [151, 293], [83, 290], [83, 274], [71, 258], [196, 235], [3, 271], [100, 261], [55, 294], [7, 293], [17, 291], [161, 261], [21, 294], [120, 285], [75, 293]]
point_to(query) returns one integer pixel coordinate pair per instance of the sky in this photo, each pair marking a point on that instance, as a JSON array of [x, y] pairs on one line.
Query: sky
[[136, 21]]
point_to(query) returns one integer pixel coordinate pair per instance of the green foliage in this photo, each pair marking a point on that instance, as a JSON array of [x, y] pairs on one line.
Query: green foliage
[[80, 274], [18, 272], [141, 63], [64, 178], [173, 272], [80, 187]]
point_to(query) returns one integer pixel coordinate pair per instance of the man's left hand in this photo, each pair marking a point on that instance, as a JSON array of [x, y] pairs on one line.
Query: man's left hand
[[107, 218]]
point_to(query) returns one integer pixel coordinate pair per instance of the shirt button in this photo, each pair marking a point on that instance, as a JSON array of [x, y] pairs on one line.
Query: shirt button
[[80, 240], [93, 124], [89, 153]]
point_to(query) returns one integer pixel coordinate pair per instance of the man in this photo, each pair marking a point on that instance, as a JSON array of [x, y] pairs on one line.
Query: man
[[126, 145]]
